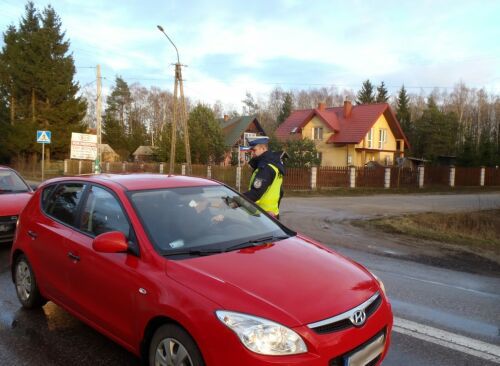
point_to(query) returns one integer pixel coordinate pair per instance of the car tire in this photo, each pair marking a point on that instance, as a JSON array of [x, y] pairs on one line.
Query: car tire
[[169, 343], [26, 286]]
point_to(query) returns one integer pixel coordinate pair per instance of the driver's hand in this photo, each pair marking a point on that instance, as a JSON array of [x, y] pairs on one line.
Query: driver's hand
[[218, 218]]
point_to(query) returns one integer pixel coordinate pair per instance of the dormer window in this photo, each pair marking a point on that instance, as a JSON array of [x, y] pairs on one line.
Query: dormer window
[[317, 133], [294, 130]]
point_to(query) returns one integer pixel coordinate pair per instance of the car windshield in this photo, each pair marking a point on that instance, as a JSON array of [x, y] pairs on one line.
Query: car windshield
[[203, 220], [10, 182]]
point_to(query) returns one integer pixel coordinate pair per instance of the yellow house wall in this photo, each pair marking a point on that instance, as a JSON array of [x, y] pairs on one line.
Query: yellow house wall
[[390, 144], [331, 156], [337, 156]]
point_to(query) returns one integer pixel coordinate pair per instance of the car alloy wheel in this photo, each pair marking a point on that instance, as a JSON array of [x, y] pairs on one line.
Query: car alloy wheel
[[23, 281], [171, 352], [26, 285], [171, 345]]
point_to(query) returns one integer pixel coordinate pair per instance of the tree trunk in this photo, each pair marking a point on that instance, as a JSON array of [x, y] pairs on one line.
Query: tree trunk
[[12, 110], [33, 99]]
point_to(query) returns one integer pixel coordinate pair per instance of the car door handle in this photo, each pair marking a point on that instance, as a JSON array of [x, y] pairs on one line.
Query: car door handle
[[73, 257], [32, 234]]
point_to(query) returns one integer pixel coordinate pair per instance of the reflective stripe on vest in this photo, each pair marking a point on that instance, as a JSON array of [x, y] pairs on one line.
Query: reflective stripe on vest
[[269, 200]]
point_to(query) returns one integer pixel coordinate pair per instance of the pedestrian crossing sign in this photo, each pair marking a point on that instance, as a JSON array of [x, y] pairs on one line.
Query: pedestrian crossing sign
[[43, 137]]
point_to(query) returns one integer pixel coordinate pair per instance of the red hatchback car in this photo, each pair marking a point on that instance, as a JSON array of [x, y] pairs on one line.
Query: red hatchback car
[[14, 195], [185, 271]]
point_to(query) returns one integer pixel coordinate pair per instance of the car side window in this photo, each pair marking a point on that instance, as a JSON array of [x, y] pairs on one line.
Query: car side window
[[103, 213], [63, 202], [46, 195]]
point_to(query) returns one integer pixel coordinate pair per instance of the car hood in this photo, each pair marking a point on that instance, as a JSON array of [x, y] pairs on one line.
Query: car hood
[[13, 203], [294, 281]]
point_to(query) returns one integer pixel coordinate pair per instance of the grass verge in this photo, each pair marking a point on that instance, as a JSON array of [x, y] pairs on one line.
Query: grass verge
[[477, 229]]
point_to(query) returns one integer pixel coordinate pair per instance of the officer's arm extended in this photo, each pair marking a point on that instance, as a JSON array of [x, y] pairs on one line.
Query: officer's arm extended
[[263, 179]]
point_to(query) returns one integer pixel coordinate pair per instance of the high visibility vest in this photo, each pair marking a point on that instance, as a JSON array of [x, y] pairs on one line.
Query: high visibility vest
[[269, 200]]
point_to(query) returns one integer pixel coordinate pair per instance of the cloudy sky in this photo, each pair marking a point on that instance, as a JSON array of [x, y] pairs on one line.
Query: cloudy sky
[[232, 47]]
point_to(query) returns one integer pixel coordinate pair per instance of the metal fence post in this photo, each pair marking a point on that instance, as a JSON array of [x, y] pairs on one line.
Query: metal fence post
[[238, 178], [421, 172], [452, 176], [124, 167], [107, 167], [183, 169], [481, 178], [65, 166], [79, 167], [161, 168], [209, 171], [314, 176], [352, 177], [387, 178]]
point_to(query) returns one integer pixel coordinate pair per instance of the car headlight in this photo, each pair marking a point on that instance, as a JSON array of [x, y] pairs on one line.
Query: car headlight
[[381, 284], [263, 336]]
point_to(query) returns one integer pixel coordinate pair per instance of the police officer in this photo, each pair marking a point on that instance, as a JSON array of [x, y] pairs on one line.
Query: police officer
[[265, 186]]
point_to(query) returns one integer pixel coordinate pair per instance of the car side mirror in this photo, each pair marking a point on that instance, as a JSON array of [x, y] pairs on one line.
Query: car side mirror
[[110, 242]]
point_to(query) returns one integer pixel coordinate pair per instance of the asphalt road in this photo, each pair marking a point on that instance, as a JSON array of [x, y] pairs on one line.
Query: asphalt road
[[439, 287], [445, 315]]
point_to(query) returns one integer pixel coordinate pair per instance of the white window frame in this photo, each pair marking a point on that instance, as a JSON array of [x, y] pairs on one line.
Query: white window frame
[[382, 138], [320, 132], [369, 138]]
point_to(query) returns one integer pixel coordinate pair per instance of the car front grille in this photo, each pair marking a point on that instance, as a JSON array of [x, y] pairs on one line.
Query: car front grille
[[7, 228], [343, 321]]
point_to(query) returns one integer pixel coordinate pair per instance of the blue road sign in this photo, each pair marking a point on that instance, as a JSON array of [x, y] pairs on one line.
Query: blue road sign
[[43, 137]]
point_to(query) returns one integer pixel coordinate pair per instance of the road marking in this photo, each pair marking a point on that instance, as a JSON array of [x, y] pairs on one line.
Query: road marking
[[451, 286], [473, 347]]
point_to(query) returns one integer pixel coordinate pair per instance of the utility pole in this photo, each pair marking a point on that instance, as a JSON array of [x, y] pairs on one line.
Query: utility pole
[[179, 116], [97, 168]]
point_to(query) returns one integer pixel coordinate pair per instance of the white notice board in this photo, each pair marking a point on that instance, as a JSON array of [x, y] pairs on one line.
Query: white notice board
[[83, 146]]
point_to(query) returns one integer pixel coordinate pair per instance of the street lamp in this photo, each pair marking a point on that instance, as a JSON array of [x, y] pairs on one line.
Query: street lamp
[[184, 124], [166, 35]]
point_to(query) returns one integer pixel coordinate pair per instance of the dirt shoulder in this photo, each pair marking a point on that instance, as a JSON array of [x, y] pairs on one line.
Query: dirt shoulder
[[335, 221]]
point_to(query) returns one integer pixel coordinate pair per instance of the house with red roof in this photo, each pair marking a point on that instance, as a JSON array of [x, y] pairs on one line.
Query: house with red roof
[[348, 135], [236, 131]]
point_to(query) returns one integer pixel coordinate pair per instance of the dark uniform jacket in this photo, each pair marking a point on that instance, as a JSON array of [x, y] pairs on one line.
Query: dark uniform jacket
[[265, 175]]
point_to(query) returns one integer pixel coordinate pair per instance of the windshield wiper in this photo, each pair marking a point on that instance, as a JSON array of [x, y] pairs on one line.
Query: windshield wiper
[[256, 242], [6, 190], [193, 252]]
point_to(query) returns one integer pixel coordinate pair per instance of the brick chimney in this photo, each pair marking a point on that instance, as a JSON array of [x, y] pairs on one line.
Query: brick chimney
[[321, 106], [226, 117], [347, 109]]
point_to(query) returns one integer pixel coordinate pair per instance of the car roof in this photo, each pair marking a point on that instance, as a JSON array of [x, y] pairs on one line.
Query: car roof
[[140, 181]]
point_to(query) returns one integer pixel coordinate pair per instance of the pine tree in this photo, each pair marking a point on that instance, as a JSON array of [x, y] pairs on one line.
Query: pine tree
[[366, 94], [206, 137], [116, 118], [36, 82], [403, 111], [286, 108], [435, 132], [382, 93]]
